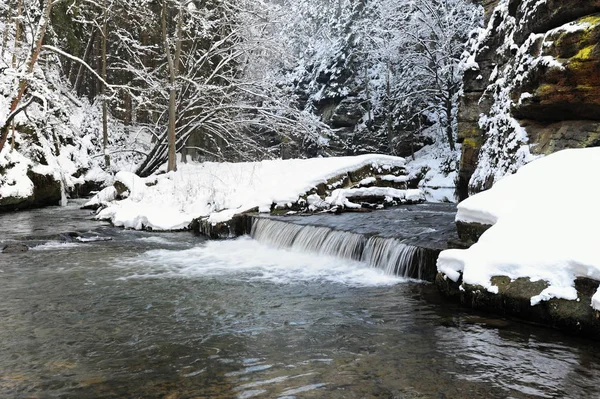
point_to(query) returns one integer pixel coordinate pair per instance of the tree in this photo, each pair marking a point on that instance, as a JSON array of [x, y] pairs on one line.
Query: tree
[[38, 39], [425, 52]]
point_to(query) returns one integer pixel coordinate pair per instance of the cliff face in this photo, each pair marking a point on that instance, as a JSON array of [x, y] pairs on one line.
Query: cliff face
[[531, 87]]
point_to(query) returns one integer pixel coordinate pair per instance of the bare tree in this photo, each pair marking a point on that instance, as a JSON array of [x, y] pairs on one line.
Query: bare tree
[[38, 37]]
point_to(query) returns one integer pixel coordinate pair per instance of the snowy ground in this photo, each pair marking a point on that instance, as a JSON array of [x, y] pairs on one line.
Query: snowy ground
[[221, 190], [437, 164], [545, 226]]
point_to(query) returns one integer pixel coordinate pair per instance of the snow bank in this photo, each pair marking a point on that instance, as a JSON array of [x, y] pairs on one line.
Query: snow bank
[[14, 182], [221, 190], [436, 165], [545, 226]]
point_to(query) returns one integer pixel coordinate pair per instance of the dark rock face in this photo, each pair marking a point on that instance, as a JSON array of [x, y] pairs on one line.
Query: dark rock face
[[345, 114], [15, 248], [238, 226], [514, 300], [538, 70], [46, 191], [86, 189], [469, 233]]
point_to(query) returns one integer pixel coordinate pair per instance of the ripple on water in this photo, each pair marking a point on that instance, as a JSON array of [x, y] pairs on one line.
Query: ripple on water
[[145, 318]]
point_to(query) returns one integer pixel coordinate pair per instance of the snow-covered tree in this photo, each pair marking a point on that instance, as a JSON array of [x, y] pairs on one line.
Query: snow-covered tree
[[382, 69]]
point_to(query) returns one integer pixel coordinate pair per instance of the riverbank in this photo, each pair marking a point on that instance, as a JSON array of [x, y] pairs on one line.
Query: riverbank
[[530, 256]]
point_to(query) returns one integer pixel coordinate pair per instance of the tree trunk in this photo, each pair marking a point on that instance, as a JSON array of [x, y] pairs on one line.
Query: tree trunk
[[173, 63], [449, 131], [104, 105], [18, 30], [389, 122], [88, 49], [368, 98]]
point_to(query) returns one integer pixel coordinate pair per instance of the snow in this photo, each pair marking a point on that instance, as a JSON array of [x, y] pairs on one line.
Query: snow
[[221, 190], [340, 197], [15, 183], [395, 179], [545, 223], [437, 165], [103, 197], [367, 181]]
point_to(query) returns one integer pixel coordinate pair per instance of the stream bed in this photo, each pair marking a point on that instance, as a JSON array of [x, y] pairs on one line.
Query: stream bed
[[171, 315]]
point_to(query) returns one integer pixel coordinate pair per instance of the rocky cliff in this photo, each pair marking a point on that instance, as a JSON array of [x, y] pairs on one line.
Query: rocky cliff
[[531, 87]]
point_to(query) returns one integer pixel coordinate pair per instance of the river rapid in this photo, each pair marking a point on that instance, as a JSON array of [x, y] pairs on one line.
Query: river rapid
[[170, 315]]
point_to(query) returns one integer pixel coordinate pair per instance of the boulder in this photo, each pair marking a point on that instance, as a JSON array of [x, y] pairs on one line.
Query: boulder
[[15, 248], [46, 191]]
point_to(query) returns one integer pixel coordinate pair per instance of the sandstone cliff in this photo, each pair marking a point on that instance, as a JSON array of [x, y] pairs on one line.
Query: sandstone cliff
[[531, 87]]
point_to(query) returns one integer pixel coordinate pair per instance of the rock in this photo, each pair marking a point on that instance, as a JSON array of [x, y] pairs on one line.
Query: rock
[[86, 189], [15, 248], [46, 191], [469, 233], [238, 226], [552, 82], [345, 114], [514, 300], [121, 188]]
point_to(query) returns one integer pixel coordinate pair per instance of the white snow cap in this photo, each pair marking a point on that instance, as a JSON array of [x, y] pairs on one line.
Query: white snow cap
[[546, 220], [222, 190]]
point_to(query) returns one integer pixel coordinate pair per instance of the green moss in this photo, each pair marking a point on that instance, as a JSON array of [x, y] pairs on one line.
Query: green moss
[[585, 88], [591, 140], [591, 19], [472, 142], [545, 89], [584, 53]]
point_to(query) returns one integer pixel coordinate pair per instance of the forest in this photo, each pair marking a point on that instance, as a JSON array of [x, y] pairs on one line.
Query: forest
[[112, 83]]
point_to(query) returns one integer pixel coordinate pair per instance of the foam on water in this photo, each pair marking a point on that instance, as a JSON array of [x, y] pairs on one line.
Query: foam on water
[[157, 240], [247, 259], [55, 245]]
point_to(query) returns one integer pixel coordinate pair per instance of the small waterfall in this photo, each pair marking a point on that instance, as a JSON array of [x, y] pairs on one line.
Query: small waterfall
[[320, 240], [388, 254]]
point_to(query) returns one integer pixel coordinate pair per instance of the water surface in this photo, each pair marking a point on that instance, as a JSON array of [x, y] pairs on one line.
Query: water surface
[[150, 315]]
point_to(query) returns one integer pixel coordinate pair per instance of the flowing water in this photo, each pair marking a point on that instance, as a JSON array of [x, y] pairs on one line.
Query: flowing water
[[388, 254], [169, 315]]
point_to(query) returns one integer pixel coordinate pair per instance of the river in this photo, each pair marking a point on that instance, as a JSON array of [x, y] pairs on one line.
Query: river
[[170, 315]]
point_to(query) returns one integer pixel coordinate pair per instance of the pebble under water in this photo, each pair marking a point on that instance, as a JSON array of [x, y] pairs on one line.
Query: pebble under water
[[169, 315]]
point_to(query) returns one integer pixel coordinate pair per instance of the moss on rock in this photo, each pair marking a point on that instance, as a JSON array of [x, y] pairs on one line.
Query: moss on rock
[[514, 300]]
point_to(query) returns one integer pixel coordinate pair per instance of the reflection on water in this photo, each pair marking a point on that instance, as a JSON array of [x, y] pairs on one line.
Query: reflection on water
[[172, 316]]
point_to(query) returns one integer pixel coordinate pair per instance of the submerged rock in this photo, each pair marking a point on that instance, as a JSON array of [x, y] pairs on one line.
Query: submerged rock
[[15, 248]]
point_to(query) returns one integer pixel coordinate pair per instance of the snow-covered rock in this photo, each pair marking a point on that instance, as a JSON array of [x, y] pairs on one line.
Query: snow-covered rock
[[544, 221], [530, 87], [219, 191]]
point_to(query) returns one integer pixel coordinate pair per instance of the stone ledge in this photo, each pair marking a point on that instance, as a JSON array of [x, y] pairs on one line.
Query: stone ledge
[[513, 300], [238, 226]]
